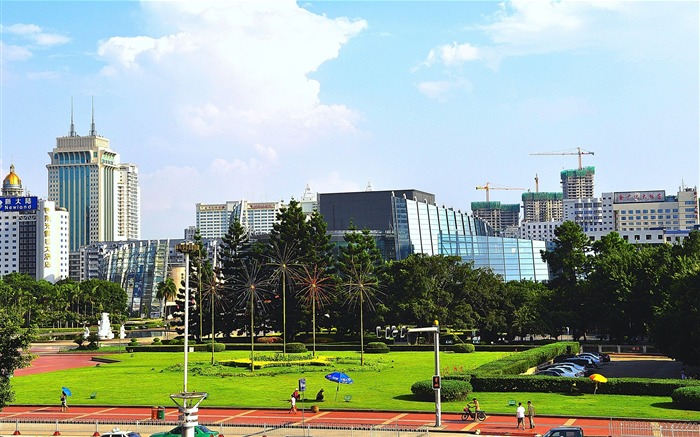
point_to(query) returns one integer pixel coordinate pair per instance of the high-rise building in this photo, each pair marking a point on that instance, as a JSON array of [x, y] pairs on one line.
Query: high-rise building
[[578, 184], [542, 207], [86, 178], [128, 203], [499, 216], [33, 233], [213, 219]]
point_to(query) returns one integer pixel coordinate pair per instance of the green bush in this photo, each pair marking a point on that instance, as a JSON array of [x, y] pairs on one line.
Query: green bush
[[217, 347], [687, 397], [156, 341], [376, 347], [296, 348], [452, 390], [463, 348]]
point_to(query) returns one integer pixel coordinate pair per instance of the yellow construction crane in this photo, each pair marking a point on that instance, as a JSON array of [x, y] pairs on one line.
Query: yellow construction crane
[[577, 151], [488, 187]]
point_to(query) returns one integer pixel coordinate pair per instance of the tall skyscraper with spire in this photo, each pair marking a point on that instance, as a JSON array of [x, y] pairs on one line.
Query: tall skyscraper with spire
[[85, 177]]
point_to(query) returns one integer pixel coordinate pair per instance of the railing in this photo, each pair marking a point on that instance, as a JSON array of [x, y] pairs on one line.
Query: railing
[[42, 427], [655, 429]]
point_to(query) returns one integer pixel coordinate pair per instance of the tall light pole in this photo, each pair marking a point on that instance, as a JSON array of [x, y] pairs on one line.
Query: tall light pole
[[435, 329], [188, 417]]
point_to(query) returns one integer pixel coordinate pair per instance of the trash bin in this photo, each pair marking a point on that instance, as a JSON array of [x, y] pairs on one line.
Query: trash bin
[[154, 413], [161, 413]]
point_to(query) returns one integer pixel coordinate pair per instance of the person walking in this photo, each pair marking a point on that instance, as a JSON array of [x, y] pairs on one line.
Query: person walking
[[64, 401], [293, 408], [520, 415], [531, 414]]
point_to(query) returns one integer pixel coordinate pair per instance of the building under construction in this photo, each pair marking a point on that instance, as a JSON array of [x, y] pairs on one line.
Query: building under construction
[[578, 184], [542, 207], [499, 216]]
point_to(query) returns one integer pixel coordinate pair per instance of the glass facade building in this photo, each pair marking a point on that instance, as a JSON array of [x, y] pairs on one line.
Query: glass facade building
[[432, 230]]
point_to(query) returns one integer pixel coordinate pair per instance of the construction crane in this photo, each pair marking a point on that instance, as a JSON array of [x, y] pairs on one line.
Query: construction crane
[[488, 188], [577, 151]]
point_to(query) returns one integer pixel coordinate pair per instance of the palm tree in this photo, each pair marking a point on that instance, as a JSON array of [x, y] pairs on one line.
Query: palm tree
[[285, 266], [165, 291], [361, 287], [251, 288], [315, 285]]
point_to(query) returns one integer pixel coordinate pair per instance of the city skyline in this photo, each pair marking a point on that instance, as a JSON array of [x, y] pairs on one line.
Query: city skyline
[[222, 101]]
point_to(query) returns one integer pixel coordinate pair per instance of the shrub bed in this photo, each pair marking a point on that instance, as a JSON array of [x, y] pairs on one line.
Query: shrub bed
[[376, 347], [463, 348], [687, 397], [296, 348], [452, 390], [217, 347], [518, 363]]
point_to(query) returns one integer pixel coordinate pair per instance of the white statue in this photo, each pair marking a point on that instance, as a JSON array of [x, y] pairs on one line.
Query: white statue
[[122, 332], [86, 333], [104, 331]]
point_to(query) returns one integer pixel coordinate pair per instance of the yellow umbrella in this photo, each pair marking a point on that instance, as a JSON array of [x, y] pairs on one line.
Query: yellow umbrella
[[597, 377]]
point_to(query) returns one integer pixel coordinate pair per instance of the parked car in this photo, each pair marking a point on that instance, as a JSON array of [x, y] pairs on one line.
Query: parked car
[[563, 372], [548, 373], [582, 361], [199, 431], [564, 431], [594, 357], [116, 432], [570, 367]]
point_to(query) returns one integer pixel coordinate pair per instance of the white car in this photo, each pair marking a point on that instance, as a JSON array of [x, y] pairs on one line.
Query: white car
[[116, 432]]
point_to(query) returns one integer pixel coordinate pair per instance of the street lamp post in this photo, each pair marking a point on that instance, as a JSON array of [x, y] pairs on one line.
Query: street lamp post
[[189, 407], [435, 329]]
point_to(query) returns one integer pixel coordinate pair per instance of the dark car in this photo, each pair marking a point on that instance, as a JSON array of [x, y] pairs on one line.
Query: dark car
[[564, 431]]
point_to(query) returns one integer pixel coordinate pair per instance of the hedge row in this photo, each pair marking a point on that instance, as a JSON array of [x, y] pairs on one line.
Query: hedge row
[[555, 384], [518, 363], [376, 347]]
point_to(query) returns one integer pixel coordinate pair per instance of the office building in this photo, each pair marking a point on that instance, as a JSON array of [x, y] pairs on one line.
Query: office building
[[85, 177], [405, 222], [33, 233], [213, 220], [644, 210]]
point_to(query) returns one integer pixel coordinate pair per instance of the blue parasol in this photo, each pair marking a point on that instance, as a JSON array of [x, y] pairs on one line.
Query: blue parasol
[[66, 390], [339, 378]]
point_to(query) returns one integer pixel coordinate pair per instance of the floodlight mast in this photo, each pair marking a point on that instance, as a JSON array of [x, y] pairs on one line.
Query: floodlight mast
[[188, 409], [436, 330]]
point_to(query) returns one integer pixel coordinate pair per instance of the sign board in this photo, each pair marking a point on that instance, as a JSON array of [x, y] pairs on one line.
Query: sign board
[[302, 384], [26, 203], [639, 196]]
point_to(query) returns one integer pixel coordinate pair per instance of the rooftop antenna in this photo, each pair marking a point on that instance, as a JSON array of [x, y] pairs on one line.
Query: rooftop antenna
[[72, 125], [369, 186], [537, 183], [93, 132]]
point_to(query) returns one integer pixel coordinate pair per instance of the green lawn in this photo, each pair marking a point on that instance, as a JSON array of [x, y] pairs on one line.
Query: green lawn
[[384, 383]]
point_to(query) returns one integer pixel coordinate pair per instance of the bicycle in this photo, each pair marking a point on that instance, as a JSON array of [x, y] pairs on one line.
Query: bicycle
[[469, 414]]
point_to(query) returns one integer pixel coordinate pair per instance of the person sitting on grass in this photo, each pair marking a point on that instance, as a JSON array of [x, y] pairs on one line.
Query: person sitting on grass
[[319, 396]]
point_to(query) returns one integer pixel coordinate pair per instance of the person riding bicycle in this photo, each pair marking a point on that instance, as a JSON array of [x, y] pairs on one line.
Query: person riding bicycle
[[474, 403]]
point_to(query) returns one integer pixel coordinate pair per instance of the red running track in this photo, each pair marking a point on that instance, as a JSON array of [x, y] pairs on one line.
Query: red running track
[[493, 425]]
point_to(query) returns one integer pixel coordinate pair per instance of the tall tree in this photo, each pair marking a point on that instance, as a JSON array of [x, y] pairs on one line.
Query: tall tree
[[359, 265], [567, 262], [14, 345]]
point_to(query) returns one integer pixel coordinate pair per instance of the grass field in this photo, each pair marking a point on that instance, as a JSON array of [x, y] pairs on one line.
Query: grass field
[[384, 383]]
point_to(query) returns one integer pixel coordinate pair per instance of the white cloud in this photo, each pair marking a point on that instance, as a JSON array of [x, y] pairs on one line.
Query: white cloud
[[14, 53], [443, 89], [238, 68], [453, 54], [35, 34]]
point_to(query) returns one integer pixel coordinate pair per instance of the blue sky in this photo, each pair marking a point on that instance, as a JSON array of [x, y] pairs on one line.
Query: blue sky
[[224, 100]]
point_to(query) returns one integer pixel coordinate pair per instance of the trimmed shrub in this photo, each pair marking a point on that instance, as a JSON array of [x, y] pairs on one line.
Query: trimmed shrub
[[518, 363], [133, 342], [268, 340], [296, 348], [156, 341], [463, 348], [687, 397], [376, 347], [218, 347], [452, 390]]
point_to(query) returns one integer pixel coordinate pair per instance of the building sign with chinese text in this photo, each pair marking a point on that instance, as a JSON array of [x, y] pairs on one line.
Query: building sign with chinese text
[[639, 196], [26, 203]]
